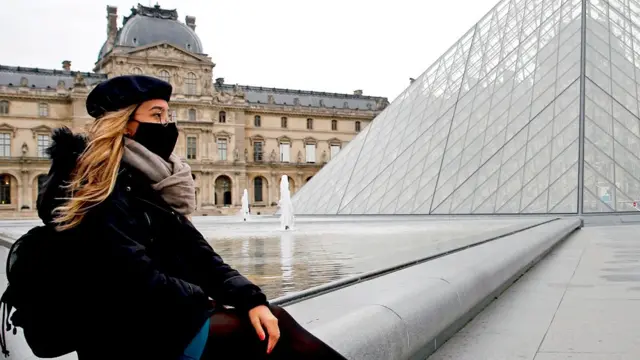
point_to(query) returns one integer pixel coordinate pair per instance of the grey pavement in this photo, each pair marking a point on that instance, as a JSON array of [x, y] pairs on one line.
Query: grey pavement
[[581, 302]]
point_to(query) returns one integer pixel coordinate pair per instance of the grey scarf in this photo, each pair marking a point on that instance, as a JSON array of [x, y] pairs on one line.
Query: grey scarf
[[172, 179]]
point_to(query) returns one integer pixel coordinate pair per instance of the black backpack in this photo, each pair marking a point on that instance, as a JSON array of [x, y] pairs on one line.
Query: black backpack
[[38, 270]]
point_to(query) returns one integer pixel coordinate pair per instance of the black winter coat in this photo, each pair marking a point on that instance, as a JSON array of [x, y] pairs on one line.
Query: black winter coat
[[144, 273]]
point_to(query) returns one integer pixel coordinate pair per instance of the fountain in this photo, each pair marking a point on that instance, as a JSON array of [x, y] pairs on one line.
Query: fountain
[[245, 205], [286, 207]]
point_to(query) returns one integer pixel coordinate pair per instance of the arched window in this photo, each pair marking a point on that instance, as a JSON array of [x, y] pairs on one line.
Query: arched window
[[164, 75], [192, 114], [257, 189], [5, 189], [358, 126], [222, 117], [136, 71], [190, 84], [334, 125], [223, 190], [4, 107], [257, 121]]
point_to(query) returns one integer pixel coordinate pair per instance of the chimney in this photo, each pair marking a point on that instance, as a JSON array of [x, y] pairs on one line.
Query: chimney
[[66, 65], [220, 81], [357, 92], [191, 22], [411, 80], [112, 22]]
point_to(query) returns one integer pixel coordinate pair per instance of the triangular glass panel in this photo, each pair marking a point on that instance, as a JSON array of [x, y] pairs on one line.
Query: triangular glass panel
[[567, 205], [539, 205], [592, 204], [600, 187]]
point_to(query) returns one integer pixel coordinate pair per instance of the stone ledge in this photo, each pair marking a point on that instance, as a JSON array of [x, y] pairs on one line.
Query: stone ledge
[[421, 307]]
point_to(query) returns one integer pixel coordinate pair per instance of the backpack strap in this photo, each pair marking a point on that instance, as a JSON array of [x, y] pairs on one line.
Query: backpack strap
[[6, 307]]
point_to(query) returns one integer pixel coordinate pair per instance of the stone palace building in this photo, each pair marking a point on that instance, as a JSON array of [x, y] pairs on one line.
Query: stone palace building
[[235, 137]]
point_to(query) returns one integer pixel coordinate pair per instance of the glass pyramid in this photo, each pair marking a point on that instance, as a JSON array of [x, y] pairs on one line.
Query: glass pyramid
[[534, 110]]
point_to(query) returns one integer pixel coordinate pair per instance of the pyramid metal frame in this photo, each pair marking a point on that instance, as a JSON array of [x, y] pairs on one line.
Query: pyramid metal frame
[[534, 110]]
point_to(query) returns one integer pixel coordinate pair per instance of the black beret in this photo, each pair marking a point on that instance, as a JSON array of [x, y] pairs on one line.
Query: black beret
[[123, 91]]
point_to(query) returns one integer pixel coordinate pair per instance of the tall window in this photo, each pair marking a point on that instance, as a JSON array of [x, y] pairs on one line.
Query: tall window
[[164, 75], [174, 115], [222, 149], [4, 107], [358, 126], [257, 189], [5, 145], [137, 71], [222, 117], [192, 114], [257, 121], [191, 148], [335, 149], [310, 124], [311, 153], [43, 109], [285, 152], [334, 125], [257, 151], [190, 84], [283, 122], [5, 189], [43, 144]]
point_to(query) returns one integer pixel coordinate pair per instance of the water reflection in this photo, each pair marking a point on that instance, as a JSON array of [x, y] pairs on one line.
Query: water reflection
[[283, 264], [286, 260]]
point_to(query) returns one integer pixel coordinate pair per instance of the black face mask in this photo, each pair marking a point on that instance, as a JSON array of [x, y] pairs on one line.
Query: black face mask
[[157, 138]]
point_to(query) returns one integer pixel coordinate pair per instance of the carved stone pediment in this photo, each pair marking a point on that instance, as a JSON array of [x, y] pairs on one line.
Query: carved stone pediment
[[222, 135], [310, 140], [4, 127], [42, 129], [335, 141], [257, 138], [165, 51], [284, 139]]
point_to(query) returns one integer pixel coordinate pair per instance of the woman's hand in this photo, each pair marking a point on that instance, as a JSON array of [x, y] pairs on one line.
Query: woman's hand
[[261, 316]]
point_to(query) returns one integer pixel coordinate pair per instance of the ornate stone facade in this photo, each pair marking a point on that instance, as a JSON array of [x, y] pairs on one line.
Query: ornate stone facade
[[234, 137]]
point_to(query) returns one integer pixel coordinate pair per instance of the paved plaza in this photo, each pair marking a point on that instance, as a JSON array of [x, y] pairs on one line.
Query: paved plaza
[[581, 303]]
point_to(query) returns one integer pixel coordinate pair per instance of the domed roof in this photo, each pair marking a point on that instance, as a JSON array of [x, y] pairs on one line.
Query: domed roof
[[148, 25]]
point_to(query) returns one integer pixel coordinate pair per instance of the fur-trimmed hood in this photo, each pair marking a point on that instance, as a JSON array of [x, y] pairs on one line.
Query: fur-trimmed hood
[[64, 151]]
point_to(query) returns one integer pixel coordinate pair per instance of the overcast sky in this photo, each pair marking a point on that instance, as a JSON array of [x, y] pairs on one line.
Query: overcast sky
[[326, 45]]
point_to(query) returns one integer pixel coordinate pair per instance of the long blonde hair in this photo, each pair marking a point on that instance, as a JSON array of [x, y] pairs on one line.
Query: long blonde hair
[[94, 176]]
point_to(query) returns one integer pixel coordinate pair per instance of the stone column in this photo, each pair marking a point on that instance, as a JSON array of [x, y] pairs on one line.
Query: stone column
[[299, 181], [237, 191], [25, 191], [271, 181], [210, 149], [80, 119]]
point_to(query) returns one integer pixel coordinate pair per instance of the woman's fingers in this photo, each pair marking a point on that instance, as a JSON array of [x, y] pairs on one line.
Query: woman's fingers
[[255, 321], [271, 323]]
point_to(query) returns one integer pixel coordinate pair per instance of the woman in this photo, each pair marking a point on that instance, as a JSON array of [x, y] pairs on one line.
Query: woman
[[150, 286]]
